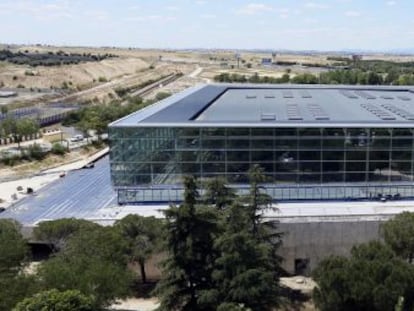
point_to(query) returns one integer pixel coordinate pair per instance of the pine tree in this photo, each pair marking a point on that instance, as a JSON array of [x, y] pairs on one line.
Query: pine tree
[[246, 273], [187, 271]]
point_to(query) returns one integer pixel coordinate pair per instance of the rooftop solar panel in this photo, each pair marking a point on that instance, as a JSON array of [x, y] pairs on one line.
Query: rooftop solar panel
[[287, 94], [380, 113], [365, 95], [268, 116], [348, 94], [399, 111], [292, 111], [317, 112], [305, 94]]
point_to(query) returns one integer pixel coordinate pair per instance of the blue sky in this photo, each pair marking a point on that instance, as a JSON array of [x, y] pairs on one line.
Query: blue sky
[[283, 24]]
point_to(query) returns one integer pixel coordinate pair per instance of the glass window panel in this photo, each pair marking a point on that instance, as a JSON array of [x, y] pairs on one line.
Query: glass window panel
[[213, 132], [332, 166], [213, 167], [310, 143], [333, 132], [188, 142], [310, 166], [262, 144], [400, 166], [262, 156], [190, 132], [238, 132], [333, 177], [238, 144], [286, 132], [238, 167], [401, 155], [309, 132], [333, 143], [356, 155], [187, 156], [379, 155], [283, 144], [235, 156], [214, 143], [354, 177], [355, 166], [309, 178], [286, 166], [213, 156], [309, 155], [286, 177], [333, 155], [263, 132], [190, 168]]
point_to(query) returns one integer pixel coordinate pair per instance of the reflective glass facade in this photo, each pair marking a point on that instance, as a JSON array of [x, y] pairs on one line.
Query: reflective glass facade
[[147, 163]]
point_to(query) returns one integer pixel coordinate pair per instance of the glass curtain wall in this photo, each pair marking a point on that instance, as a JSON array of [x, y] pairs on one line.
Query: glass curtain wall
[[291, 158]]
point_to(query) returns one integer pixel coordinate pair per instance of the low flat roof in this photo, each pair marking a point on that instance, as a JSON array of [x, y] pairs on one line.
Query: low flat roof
[[280, 105]]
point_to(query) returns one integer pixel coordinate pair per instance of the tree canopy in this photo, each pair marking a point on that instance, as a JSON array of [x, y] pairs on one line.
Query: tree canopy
[[373, 278], [54, 300], [14, 285], [93, 262], [399, 235], [220, 254], [57, 232], [144, 236]]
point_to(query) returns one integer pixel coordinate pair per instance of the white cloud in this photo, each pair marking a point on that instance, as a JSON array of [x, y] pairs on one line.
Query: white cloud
[[391, 3], [314, 5], [172, 8], [208, 16], [42, 11], [254, 8], [148, 18], [200, 2], [97, 15], [135, 7], [310, 20], [352, 13]]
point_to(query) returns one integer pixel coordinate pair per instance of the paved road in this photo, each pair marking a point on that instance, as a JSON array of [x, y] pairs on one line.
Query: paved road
[[80, 194]]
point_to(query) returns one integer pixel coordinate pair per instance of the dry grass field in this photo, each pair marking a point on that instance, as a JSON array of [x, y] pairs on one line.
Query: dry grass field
[[98, 80]]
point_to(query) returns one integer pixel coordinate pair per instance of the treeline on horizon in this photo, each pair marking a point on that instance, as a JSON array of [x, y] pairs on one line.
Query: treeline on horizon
[[50, 58], [350, 77], [348, 71]]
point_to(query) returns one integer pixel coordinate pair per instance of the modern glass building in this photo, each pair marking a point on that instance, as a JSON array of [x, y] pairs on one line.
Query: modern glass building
[[314, 142]]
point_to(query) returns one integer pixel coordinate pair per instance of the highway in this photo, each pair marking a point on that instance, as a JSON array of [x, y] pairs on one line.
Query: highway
[[80, 194]]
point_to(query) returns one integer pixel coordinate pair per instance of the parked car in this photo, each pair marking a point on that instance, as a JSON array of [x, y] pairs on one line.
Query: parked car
[[76, 138]]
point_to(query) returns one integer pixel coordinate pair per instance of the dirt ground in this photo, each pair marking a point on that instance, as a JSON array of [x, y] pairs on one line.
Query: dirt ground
[[97, 80]]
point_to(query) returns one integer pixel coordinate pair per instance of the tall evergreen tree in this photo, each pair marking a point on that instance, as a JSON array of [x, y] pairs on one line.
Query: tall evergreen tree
[[247, 268], [188, 268], [218, 193]]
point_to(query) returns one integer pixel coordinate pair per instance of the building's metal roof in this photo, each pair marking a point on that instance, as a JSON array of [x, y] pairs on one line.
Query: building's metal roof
[[221, 105]]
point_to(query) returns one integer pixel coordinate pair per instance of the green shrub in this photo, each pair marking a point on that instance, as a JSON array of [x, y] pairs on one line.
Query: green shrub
[[58, 149], [35, 152]]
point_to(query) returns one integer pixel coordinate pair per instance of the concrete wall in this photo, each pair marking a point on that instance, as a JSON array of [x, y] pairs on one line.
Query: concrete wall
[[312, 240], [317, 240]]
